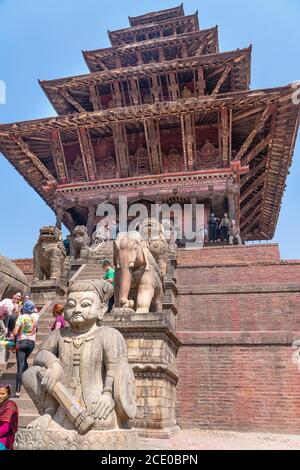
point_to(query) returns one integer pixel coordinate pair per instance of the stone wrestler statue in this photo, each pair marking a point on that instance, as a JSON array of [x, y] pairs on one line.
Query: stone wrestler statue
[[81, 379]]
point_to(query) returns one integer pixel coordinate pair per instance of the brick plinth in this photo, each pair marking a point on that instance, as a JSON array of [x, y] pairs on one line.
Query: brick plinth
[[238, 315], [152, 348]]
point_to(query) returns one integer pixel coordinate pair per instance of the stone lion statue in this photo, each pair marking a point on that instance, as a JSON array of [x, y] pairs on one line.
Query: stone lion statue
[[153, 235], [79, 243], [49, 254]]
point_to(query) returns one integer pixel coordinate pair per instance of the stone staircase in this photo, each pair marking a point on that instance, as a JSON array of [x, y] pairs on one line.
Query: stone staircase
[[27, 410], [88, 271], [104, 252]]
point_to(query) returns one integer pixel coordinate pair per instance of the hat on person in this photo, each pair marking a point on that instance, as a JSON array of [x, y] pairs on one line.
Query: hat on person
[[28, 306]]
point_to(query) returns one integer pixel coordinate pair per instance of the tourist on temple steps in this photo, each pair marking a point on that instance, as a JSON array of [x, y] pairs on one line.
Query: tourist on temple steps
[[224, 227], [109, 275], [25, 330], [67, 244], [103, 231], [10, 309], [234, 233], [114, 230], [213, 228], [9, 417], [58, 314], [27, 297]]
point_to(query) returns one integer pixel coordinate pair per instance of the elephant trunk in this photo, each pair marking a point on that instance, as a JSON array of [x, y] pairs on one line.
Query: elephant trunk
[[124, 287]]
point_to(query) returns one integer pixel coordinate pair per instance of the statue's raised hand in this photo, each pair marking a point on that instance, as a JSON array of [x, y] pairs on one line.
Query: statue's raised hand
[[51, 376], [104, 406]]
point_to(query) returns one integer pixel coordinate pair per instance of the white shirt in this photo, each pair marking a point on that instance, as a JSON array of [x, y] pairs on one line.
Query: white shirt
[[9, 305], [28, 324]]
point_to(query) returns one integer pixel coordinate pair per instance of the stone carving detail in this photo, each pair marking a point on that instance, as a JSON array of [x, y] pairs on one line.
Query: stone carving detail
[[12, 279], [38, 439], [81, 379], [174, 160], [170, 235], [49, 255], [76, 170], [147, 99], [141, 263], [79, 244], [142, 161], [207, 156], [132, 165], [110, 167], [186, 93]]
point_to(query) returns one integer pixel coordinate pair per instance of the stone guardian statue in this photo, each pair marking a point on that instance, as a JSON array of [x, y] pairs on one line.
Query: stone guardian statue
[[81, 380]]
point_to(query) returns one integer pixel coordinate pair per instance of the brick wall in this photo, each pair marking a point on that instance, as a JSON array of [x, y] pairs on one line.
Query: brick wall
[[273, 311], [239, 274], [250, 387], [26, 266], [230, 254], [238, 314]]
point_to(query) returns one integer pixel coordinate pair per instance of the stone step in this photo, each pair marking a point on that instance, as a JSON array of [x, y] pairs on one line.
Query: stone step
[[92, 269], [45, 326], [43, 331], [26, 418], [26, 405], [27, 410], [87, 277], [90, 272], [13, 368]]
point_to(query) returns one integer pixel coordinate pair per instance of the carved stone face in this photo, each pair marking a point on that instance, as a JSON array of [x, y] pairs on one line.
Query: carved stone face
[[49, 234], [79, 231], [81, 310]]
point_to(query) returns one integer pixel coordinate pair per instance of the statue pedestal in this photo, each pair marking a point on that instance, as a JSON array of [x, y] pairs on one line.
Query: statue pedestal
[[171, 292], [43, 291], [46, 439], [4, 356], [152, 348]]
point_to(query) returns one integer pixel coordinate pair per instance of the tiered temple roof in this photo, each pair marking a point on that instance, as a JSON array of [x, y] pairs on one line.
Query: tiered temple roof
[[162, 116], [193, 44], [156, 16]]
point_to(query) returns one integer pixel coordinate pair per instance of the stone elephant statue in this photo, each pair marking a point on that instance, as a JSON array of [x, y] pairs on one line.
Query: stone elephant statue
[[136, 268], [12, 279]]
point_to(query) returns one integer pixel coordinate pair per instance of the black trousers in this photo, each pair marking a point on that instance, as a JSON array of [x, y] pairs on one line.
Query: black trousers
[[111, 303], [24, 349], [224, 233], [10, 323], [213, 233]]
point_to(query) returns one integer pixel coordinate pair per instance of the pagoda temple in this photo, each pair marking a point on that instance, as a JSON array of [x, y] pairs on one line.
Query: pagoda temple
[[163, 117]]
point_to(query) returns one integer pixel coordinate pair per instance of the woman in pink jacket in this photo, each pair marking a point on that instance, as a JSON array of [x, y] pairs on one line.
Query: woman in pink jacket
[[9, 417]]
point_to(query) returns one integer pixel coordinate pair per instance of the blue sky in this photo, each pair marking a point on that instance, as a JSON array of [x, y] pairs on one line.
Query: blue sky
[[44, 39]]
